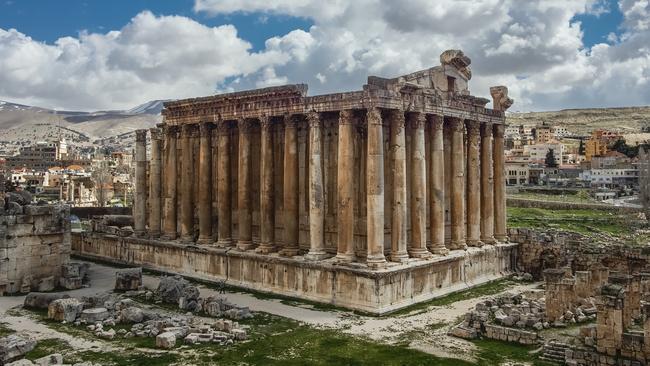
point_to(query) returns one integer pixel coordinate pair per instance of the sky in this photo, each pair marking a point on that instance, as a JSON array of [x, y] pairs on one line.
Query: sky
[[96, 55]]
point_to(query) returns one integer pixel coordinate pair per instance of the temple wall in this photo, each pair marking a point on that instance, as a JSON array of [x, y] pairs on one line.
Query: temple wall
[[372, 291]]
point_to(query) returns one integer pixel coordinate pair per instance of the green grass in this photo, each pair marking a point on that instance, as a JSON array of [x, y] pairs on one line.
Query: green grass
[[5, 330], [568, 198], [580, 221], [492, 352], [47, 347]]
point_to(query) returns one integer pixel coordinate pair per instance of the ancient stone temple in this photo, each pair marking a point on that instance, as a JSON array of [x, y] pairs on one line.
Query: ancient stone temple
[[371, 200]]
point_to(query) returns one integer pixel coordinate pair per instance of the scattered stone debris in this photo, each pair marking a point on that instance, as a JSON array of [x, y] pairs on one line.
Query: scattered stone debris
[[13, 347], [129, 279], [40, 300], [75, 276]]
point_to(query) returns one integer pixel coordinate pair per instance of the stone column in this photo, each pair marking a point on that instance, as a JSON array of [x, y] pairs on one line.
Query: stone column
[[437, 178], [140, 202], [291, 188], [224, 209], [267, 209], [316, 191], [487, 186], [418, 247], [473, 185], [499, 185], [205, 184], [457, 196], [245, 220], [398, 251], [169, 214], [375, 189], [155, 183], [187, 184], [345, 188]]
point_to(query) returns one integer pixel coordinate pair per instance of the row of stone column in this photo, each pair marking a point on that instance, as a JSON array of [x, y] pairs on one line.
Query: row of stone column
[[476, 183]]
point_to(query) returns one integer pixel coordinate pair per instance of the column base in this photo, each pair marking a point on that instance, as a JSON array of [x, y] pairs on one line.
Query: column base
[[204, 240], [187, 238], [345, 257], [289, 252], [440, 251], [489, 241], [265, 248], [475, 243], [316, 256], [399, 257], [167, 236], [154, 234], [501, 238], [223, 243], [458, 245], [420, 253], [245, 245], [140, 233], [376, 262]]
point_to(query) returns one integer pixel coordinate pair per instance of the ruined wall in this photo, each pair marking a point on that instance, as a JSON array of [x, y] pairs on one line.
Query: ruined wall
[[34, 243]]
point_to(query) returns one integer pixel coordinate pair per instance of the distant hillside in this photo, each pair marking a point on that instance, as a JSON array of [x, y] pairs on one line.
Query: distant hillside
[[93, 125], [582, 121]]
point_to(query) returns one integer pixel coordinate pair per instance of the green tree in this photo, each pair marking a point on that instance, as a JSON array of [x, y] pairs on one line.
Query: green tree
[[550, 159], [581, 148]]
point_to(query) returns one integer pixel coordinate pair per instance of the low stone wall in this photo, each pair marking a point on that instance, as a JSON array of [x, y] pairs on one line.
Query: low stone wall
[[34, 244], [510, 334], [89, 212], [554, 205], [352, 286]]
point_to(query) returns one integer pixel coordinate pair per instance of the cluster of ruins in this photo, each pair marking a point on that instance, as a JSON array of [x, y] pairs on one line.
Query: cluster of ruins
[[406, 173]]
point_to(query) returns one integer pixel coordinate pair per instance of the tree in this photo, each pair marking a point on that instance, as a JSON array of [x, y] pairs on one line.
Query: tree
[[581, 148], [550, 159], [101, 178]]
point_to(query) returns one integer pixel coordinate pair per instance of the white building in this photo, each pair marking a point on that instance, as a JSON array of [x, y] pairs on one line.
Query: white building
[[538, 152], [560, 131], [609, 178]]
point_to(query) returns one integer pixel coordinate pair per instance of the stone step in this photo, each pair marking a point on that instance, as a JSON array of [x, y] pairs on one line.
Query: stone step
[[550, 360], [553, 352]]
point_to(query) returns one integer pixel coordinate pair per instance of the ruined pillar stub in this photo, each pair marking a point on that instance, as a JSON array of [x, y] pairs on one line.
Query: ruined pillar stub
[[316, 190], [375, 189], [140, 202], [290, 185], [398, 215], [437, 184], [345, 188], [418, 244], [267, 208]]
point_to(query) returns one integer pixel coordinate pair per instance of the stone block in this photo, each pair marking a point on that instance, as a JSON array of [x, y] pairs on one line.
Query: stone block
[[45, 284], [53, 359], [71, 283], [38, 210], [166, 340], [37, 300], [13, 347], [94, 315], [64, 309], [239, 334], [128, 279]]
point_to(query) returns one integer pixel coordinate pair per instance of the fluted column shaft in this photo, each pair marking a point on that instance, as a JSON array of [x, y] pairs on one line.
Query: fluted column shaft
[[375, 189], [187, 184], [499, 185], [316, 190], [169, 214], [245, 218], [473, 185], [224, 209], [140, 203], [155, 183], [487, 185], [418, 245], [345, 188], [291, 188], [437, 178], [398, 251], [457, 196], [267, 209], [205, 184]]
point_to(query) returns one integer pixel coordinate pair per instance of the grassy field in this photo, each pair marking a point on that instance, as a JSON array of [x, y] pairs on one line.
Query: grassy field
[[570, 198], [580, 221]]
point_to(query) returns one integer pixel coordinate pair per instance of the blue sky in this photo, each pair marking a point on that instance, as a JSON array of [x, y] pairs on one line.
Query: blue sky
[[47, 21], [551, 54]]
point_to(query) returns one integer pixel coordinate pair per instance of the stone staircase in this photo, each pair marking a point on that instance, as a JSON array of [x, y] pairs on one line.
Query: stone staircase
[[553, 351]]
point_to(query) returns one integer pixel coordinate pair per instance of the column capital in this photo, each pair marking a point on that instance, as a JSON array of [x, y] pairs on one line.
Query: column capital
[[265, 122], [473, 127], [223, 128], [313, 118], [436, 121], [245, 125], [170, 130], [141, 135], [156, 133], [292, 120], [205, 129], [499, 130], [346, 117], [188, 130], [373, 116], [456, 124], [417, 120], [486, 129]]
